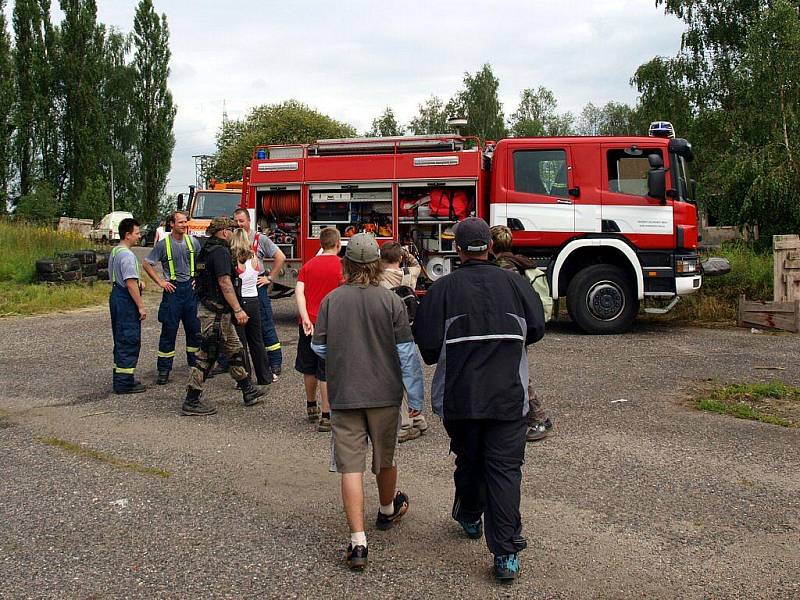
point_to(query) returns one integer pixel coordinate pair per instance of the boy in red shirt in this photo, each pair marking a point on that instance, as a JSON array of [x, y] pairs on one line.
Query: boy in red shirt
[[319, 276]]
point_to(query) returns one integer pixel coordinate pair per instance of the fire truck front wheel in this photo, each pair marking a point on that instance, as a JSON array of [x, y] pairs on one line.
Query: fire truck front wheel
[[601, 299]]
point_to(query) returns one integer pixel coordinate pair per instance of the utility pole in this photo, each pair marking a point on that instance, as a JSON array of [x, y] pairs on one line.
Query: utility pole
[[112, 188]]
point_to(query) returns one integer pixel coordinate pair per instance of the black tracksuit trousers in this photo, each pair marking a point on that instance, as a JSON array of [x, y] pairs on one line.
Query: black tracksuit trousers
[[489, 457]]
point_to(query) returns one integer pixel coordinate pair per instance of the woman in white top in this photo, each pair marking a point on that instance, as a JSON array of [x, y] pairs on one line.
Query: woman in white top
[[248, 268]]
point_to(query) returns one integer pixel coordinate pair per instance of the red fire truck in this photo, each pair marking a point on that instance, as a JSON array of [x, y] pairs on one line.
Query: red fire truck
[[611, 220]]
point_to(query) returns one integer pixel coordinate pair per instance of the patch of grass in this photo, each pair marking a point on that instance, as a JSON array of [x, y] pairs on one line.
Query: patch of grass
[[21, 245], [718, 299], [775, 403], [32, 298], [104, 458]]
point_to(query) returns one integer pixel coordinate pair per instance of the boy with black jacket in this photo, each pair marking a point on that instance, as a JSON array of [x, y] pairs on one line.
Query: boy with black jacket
[[475, 324]]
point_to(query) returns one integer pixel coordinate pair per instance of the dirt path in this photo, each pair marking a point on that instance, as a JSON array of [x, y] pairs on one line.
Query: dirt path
[[642, 498]]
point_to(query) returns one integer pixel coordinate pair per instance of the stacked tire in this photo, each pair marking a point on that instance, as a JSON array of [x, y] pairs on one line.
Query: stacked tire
[[58, 270], [72, 266]]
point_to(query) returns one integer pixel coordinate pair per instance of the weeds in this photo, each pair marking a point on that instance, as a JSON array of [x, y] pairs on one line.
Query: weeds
[[31, 298], [718, 299], [22, 244], [105, 458], [775, 403]]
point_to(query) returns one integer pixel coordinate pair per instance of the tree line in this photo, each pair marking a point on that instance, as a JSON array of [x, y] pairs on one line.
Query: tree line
[[80, 101], [733, 90]]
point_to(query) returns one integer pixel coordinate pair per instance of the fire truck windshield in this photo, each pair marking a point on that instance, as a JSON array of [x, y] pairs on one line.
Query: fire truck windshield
[[680, 174], [208, 205]]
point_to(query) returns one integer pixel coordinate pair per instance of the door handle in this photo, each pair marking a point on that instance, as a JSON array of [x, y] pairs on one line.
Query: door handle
[[564, 201]]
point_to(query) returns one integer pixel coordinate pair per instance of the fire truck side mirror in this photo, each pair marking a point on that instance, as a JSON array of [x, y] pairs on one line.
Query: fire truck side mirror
[[657, 184], [180, 201]]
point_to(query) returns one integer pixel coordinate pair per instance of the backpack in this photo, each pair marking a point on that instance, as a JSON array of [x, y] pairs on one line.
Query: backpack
[[450, 204], [538, 281], [407, 295]]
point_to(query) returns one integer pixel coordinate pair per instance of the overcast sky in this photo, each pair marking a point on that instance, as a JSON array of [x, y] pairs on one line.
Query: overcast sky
[[352, 58]]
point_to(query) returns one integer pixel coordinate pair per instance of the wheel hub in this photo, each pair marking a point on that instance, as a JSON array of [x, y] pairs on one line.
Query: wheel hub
[[605, 300]]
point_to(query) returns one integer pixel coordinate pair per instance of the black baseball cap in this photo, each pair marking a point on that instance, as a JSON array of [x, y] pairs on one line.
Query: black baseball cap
[[473, 235]]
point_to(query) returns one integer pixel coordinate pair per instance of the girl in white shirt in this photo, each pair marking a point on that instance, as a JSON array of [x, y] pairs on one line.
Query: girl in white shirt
[[248, 268]]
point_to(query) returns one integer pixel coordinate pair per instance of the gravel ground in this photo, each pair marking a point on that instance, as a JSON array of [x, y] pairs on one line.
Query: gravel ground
[[645, 498]]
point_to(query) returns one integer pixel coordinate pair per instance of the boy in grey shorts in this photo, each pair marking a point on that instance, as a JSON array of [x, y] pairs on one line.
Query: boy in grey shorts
[[362, 327]]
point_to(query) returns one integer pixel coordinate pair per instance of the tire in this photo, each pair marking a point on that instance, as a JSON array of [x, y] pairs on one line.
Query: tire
[[601, 299], [65, 265], [102, 274], [45, 265], [71, 276], [102, 260], [50, 277], [85, 257], [89, 269]]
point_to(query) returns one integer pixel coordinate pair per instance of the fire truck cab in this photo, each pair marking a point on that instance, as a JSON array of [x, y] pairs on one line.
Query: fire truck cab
[[611, 220]]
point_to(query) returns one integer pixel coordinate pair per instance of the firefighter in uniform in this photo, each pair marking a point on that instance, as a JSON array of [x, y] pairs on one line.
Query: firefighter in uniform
[[127, 308], [176, 252], [264, 248], [216, 284]]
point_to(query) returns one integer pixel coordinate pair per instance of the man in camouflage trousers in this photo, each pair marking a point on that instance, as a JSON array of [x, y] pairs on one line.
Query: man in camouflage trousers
[[217, 283]]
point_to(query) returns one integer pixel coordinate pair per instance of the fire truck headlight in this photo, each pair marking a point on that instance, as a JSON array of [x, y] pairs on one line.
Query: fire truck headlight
[[686, 266]]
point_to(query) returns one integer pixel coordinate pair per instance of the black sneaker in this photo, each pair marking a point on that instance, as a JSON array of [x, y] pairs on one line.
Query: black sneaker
[[539, 430], [277, 371], [384, 522], [163, 378], [356, 557], [137, 388], [194, 406]]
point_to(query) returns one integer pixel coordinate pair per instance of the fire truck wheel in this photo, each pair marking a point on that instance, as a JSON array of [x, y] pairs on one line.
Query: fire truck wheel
[[601, 299]]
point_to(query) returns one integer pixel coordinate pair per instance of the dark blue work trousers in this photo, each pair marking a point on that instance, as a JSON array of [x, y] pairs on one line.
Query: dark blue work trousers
[[178, 307], [271, 342], [127, 330]]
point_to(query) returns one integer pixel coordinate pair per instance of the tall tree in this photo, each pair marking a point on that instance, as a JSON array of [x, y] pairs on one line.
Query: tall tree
[[431, 118], [612, 119], [27, 19], [537, 115], [479, 103], [84, 120], [153, 105], [289, 122], [7, 95], [386, 125]]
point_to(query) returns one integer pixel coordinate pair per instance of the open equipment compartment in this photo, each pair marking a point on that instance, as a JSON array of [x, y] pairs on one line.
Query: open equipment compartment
[[427, 212], [351, 208], [278, 216]]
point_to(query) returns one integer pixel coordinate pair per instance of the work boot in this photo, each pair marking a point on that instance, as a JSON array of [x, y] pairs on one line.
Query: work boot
[[538, 430], [137, 388], [194, 406], [163, 378], [251, 394]]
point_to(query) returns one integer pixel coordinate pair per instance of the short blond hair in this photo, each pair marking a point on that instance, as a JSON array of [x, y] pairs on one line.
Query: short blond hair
[[502, 239]]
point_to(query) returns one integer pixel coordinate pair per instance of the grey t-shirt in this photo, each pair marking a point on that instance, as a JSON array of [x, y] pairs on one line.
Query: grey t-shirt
[[361, 327], [180, 256], [265, 248], [122, 265]]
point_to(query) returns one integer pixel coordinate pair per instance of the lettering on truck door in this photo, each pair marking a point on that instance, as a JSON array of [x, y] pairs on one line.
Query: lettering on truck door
[[539, 206]]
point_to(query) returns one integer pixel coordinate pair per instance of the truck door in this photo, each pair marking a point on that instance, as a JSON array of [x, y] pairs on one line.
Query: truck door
[[539, 207], [626, 208]]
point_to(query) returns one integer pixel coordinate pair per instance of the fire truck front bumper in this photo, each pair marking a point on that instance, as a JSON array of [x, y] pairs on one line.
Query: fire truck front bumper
[[688, 285]]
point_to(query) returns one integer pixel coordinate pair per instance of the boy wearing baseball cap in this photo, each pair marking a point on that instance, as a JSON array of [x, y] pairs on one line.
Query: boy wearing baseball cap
[[362, 327]]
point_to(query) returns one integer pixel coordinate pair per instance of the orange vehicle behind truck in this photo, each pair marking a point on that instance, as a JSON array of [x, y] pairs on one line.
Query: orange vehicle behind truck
[[205, 204]]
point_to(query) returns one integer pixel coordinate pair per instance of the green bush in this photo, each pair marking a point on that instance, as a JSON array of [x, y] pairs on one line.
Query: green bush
[[21, 244], [718, 299]]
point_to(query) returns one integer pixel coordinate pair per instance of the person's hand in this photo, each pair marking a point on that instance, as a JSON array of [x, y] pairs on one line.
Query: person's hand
[[142, 313], [241, 317], [263, 280], [308, 327], [167, 286]]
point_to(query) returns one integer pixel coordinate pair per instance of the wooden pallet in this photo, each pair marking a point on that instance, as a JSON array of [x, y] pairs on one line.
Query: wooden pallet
[[769, 315]]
